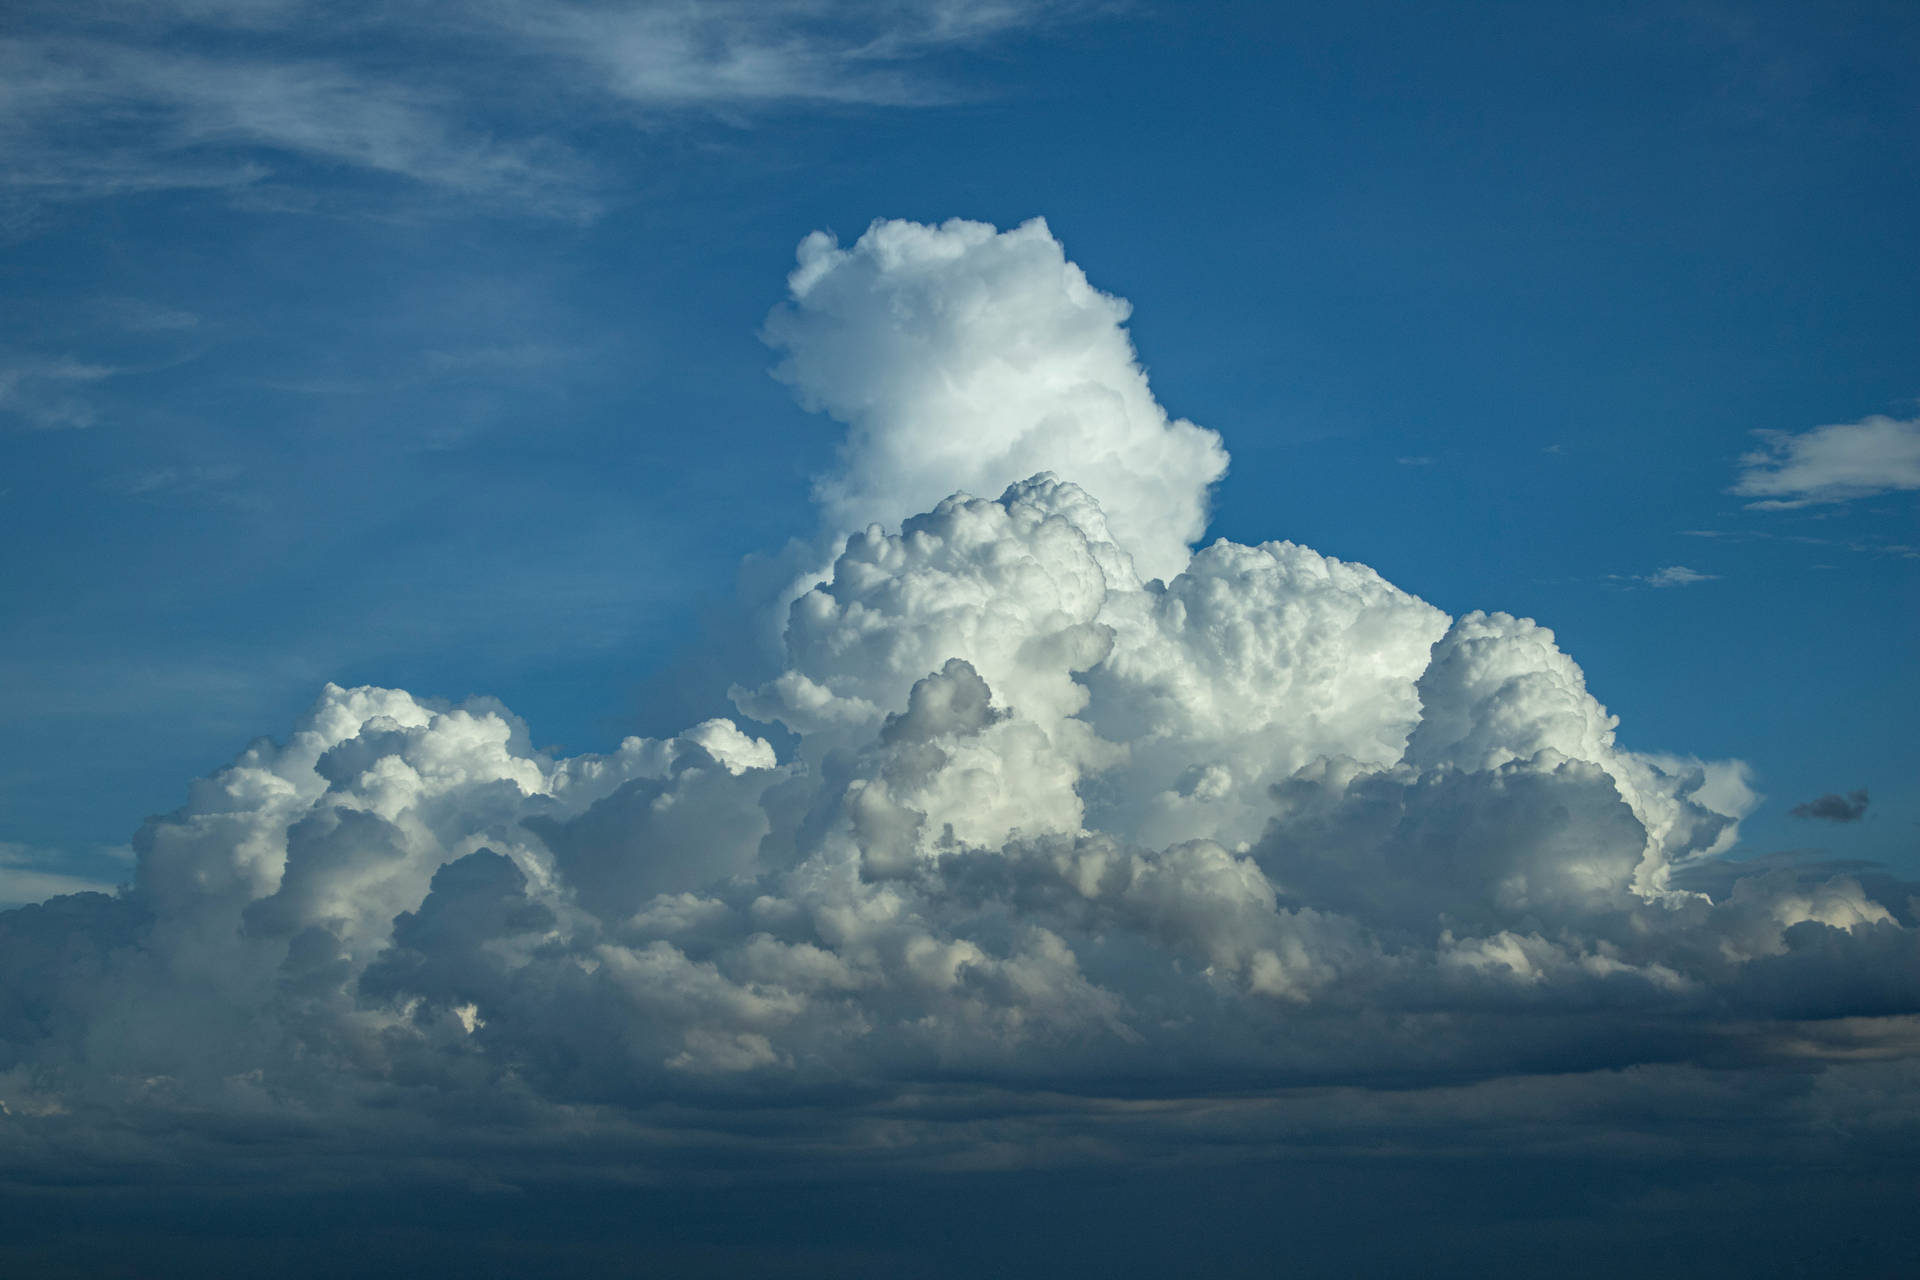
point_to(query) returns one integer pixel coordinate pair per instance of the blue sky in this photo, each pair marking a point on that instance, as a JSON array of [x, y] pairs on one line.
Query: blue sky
[[422, 352], [535, 831]]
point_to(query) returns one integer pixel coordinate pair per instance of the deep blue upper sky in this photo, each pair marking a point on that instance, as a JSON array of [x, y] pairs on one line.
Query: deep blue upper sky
[[421, 351]]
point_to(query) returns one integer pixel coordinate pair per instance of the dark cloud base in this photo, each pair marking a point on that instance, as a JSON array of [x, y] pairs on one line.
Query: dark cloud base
[[1834, 807]]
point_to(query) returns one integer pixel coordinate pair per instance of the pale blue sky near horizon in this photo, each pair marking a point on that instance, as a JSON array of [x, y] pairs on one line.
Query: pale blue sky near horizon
[[425, 354]]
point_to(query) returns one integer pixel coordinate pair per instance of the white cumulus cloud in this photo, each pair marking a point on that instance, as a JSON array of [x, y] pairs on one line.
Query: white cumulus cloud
[[962, 357], [1059, 807]]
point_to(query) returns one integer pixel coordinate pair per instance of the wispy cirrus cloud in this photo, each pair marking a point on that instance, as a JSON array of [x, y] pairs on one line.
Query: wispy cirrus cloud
[[43, 393], [1867, 545], [139, 315], [732, 53], [40, 391], [219, 483], [1673, 575], [94, 118], [106, 99]]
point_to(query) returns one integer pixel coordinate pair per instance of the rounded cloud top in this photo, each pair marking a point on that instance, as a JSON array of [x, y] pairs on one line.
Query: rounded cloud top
[[961, 357]]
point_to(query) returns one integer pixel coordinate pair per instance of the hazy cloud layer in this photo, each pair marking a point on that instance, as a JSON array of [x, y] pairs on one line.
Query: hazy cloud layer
[[106, 97], [1073, 847], [30, 875], [42, 394]]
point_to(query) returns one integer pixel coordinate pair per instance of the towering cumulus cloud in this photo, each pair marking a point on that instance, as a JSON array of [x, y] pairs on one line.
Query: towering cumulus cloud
[[1062, 809], [961, 357]]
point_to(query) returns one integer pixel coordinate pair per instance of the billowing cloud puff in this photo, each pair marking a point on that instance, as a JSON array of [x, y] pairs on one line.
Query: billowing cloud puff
[[1057, 808], [962, 357]]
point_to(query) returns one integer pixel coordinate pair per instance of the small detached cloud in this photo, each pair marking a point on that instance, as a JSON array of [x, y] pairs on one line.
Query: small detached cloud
[[1674, 575], [1834, 807], [1677, 575], [1832, 463]]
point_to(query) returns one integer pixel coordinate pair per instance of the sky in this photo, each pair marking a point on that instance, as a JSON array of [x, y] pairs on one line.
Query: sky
[[1411, 696]]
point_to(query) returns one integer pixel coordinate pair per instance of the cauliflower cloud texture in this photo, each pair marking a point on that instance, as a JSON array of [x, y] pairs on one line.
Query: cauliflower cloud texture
[[1061, 809]]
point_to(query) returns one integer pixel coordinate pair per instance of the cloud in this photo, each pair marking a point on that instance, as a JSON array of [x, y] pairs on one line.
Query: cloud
[[1677, 575], [1673, 575], [178, 479], [40, 393], [1832, 463], [138, 315], [94, 117], [107, 98], [1833, 807], [29, 875], [1021, 856], [962, 357], [733, 54], [1871, 544], [51, 393]]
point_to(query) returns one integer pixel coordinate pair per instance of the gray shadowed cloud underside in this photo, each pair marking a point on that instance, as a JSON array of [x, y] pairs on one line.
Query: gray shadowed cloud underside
[[1834, 807]]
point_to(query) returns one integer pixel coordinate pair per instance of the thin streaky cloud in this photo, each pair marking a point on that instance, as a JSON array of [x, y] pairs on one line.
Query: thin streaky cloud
[[729, 54], [1869, 545], [1673, 575], [112, 100], [95, 118], [138, 315], [217, 484], [39, 393]]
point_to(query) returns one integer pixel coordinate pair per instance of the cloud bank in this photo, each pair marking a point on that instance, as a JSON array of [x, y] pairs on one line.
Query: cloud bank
[[1059, 814]]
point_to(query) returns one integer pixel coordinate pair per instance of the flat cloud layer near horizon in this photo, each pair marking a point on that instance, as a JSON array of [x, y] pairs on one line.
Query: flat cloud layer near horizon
[[1075, 850]]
